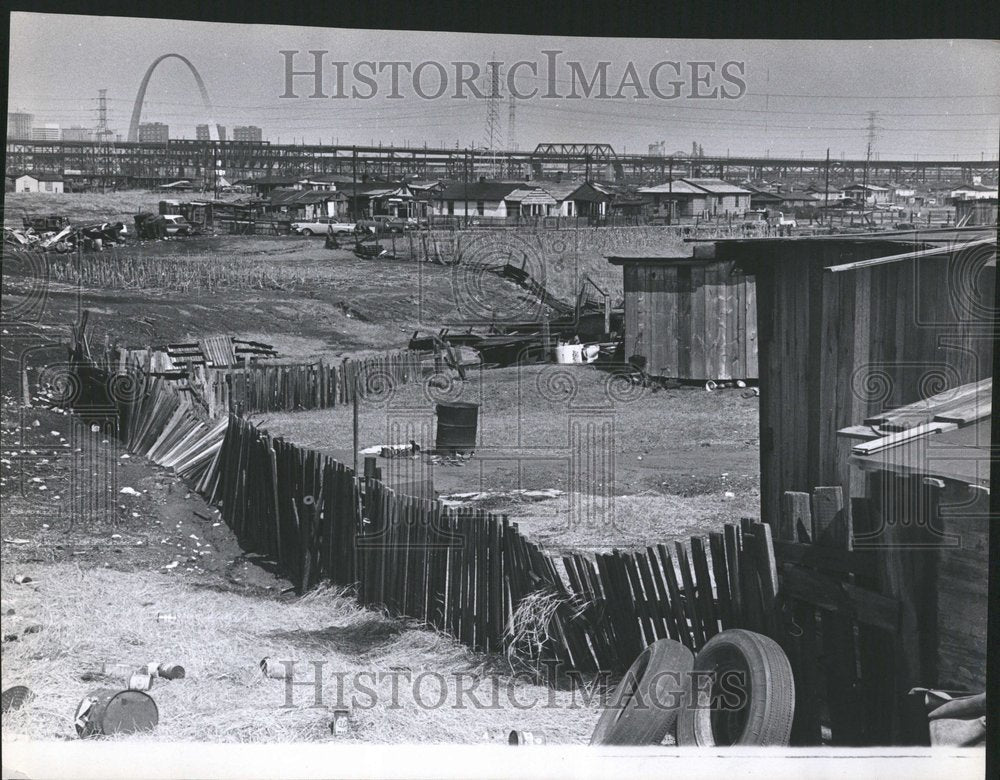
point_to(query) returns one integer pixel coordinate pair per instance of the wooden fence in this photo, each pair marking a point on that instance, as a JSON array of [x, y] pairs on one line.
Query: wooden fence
[[319, 385], [835, 610], [466, 571]]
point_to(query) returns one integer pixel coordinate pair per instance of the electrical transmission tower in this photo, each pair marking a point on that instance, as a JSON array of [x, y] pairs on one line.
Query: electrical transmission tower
[[494, 135], [873, 136], [511, 123], [103, 135], [102, 131]]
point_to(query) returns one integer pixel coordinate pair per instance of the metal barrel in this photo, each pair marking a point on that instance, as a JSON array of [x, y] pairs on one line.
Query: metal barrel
[[457, 425], [108, 711]]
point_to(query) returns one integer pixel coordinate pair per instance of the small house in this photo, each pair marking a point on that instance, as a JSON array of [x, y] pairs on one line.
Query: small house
[[262, 186], [765, 200], [798, 199], [973, 192], [726, 198], [479, 198], [676, 199], [530, 202], [872, 194], [307, 204], [578, 199], [690, 318], [39, 182]]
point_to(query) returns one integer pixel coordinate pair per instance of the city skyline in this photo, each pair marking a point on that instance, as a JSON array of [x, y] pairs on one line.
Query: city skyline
[[800, 98]]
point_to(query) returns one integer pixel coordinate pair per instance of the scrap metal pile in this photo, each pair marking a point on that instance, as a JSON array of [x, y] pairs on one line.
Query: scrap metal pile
[[54, 233]]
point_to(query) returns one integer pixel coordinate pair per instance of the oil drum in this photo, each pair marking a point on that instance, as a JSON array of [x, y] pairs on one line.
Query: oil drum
[[108, 711], [457, 424]]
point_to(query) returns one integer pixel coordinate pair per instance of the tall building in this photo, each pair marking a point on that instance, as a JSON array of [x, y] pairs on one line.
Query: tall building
[[201, 132], [248, 133], [154, 133], [19, 126], [77, 134], [47, 132]]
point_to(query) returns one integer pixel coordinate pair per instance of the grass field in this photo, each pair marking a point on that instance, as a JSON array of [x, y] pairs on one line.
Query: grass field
[[661, 469], [82, 208]]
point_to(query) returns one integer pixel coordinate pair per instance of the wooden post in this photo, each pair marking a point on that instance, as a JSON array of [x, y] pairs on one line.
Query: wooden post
[[546, 339], [355, 423]]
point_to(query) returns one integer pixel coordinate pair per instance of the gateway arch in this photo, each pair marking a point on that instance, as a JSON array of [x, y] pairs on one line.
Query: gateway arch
[[133, 129]]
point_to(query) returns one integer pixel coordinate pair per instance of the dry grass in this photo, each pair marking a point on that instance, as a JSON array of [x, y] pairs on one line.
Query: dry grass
[[84, 207], [125, 270], [90, 617]]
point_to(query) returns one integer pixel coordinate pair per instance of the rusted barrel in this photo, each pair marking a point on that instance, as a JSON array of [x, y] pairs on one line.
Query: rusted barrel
[[457, 425], [109, 711]]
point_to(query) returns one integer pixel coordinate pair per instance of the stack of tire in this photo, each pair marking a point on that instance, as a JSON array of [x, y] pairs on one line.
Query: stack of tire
[[750, 699]]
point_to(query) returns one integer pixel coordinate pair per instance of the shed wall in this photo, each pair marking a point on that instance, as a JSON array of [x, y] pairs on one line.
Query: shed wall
[[691, 321], [835, 348]]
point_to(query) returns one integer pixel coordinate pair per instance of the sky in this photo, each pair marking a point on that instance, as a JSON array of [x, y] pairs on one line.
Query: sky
[[931, 98]]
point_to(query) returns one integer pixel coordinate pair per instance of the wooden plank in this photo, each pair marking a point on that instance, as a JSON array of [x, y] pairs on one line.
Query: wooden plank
[[796, 513], [878, 445], [662, 594], [703, 584], [831, 529], [685, 635], [717, 545], [830, 526], [731, 540], [653, 603], [690, 596]]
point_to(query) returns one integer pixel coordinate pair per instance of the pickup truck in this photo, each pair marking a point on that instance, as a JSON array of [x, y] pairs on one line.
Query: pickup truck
[[323, 225]]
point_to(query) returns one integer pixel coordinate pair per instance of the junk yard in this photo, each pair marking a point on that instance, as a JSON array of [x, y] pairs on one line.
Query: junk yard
[[412, 426]]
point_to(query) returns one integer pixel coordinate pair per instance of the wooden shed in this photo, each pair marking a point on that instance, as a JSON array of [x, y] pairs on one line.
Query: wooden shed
[[928, 516], [849, 327], [691, 317]]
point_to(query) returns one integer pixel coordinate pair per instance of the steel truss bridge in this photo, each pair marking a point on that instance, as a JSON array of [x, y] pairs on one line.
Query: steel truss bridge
[[147, 164]]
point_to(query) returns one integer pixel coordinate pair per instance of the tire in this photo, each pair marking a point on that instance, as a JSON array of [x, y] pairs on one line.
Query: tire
[[764, 716], [306, 232], [644, 706]]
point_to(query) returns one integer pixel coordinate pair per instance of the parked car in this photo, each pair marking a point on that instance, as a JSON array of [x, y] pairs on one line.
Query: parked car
[[323, 225], [783, 221], [401, 224], [377, 224], [176, 225]]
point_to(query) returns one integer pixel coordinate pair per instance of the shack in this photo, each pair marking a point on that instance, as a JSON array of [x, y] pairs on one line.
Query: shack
[[849, 327], [689, 317], [927, 470]]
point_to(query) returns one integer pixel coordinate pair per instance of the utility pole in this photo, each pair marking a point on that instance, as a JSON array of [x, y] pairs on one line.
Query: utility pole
[[354, 182]]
